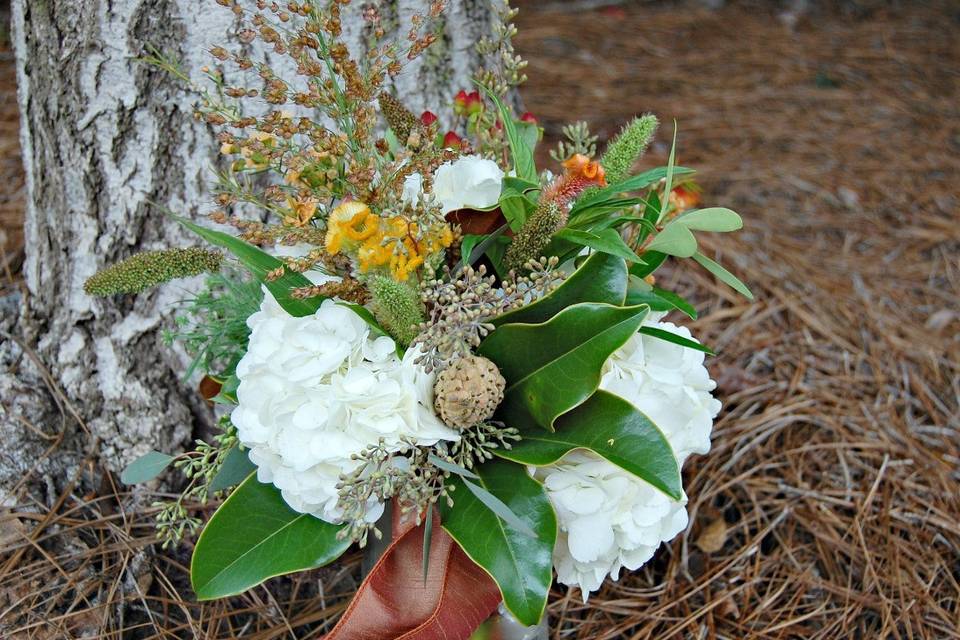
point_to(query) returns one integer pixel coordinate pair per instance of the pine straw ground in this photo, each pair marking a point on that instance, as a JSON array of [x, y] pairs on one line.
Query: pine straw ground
[[829, 506]]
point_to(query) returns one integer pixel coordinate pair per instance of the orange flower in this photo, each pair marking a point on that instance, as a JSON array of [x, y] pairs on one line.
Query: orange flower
[[580, 166]]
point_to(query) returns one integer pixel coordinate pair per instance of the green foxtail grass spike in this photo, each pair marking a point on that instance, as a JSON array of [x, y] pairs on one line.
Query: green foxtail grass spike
[[397, 307], [142, 271], [627, 147], [548, 218], [400, 119]]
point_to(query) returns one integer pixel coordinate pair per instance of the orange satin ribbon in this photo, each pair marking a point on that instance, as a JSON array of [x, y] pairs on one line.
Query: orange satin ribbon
[[395, 602]]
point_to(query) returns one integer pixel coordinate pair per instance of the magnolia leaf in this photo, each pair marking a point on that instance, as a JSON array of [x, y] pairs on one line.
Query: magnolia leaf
[[612, 428], [605, 240], [552, 367], [496, 505], [723, 275], [146, 467], [521, 565], [253, 536], [675, 240], [712, 219], [234, 469], [601, 278], [260, 264]]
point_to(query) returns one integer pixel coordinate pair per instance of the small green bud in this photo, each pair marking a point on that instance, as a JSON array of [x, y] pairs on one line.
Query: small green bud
[[397, 307]]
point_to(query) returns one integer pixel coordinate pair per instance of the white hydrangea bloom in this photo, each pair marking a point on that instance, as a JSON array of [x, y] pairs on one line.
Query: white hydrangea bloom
[[315, 390], [469, 181], [610, 519]]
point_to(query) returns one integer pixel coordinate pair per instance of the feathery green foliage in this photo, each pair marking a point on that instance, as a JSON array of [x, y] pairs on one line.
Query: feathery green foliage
[[397, 307], [533, 238], [142, 271], [213, 327], [627, 147]]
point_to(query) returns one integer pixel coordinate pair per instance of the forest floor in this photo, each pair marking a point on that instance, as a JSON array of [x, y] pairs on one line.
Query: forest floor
[[828, 506]]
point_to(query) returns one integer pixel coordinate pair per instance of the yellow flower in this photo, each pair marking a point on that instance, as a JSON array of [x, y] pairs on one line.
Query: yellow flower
[[394, 243], [302, 210], [349, 222]]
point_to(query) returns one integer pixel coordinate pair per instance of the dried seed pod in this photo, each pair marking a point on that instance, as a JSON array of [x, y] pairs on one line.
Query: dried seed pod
[[468, 391]]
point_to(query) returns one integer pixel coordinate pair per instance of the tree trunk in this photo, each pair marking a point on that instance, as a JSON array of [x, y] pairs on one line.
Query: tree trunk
[[104, 135]]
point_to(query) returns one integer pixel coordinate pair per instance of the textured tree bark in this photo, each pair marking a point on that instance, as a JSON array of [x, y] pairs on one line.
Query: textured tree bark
[[104, 135]]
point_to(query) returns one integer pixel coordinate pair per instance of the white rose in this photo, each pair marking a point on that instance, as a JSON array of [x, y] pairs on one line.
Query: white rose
[[315, 390], [610, 519], [412, 189], [468, 182]]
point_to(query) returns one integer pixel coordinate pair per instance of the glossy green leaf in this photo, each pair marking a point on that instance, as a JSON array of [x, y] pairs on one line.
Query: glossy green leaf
[[146, 467], [520, 185], [723, 275], [717, 219], [678, 301], [228, 390], [260, 263], [668, 336], [605, 240], [479, 245], [253, 536], [235, 468], [497, 505], [671, 171], [601, 278], [552, 367], [675, 240], [653, 260], [612, 428], [658, 299], [521, 565], [598, 216], [634, 183], [530, 133], [523, 161], [515, 207]]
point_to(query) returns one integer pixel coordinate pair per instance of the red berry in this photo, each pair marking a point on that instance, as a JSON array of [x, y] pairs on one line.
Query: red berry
[[528, 117], [428, 118], [452, 140], [460, 102]]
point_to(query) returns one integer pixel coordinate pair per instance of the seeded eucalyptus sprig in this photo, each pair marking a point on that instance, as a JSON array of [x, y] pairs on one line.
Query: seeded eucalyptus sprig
[[384, 474], [142, 271], [462, 308]]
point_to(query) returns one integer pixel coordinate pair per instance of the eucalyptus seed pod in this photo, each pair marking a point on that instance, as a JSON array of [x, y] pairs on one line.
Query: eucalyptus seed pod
[[468, 391]]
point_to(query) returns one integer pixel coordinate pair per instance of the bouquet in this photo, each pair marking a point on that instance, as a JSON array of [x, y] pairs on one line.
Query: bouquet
[[421, 337]]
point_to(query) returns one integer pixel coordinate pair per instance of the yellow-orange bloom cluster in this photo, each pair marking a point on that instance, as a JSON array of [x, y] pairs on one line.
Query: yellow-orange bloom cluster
[[395, 243]]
